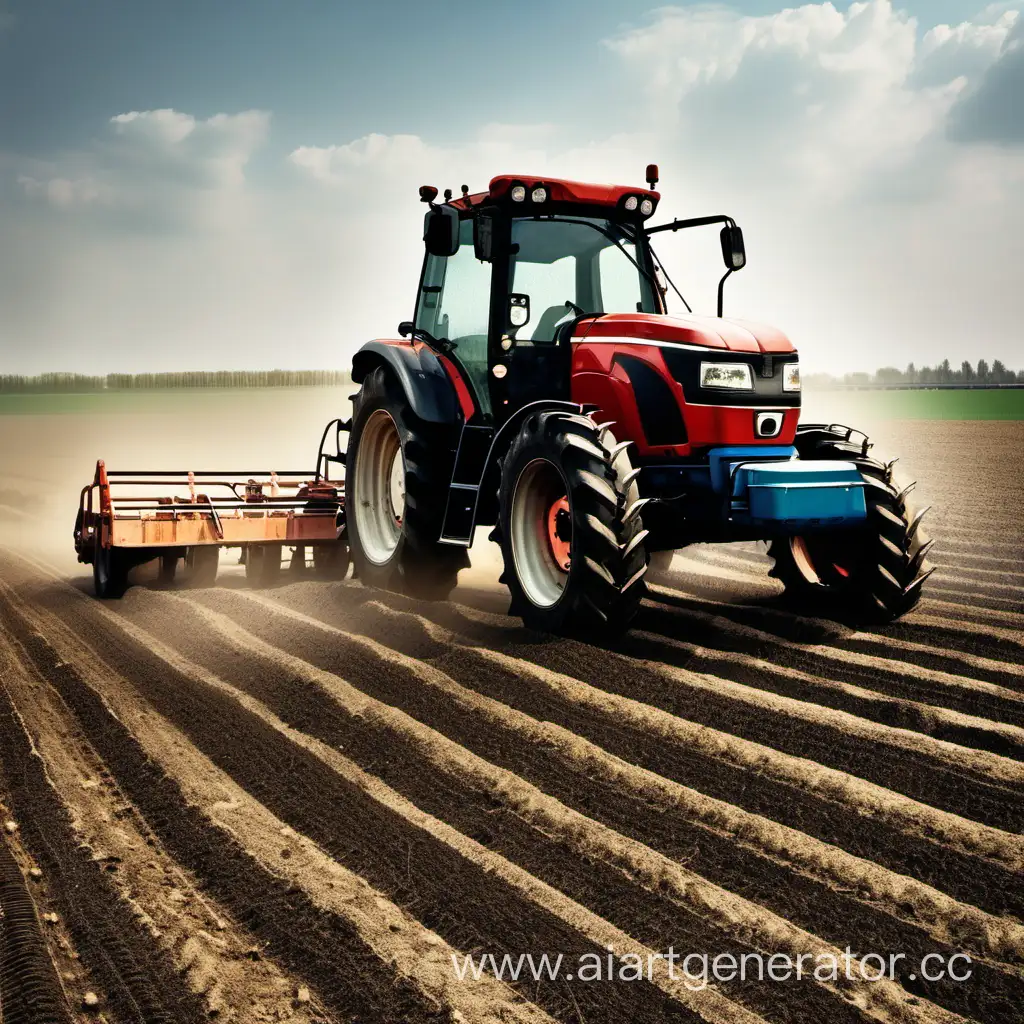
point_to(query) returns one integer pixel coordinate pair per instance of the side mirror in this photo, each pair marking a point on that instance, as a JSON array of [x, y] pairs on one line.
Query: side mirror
[[483, 237], [441, 231], [733, 251], [405, 329], [518, 309]]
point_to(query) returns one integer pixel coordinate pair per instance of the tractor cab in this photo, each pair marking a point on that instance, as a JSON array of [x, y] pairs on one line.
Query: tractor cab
[[510, 275]]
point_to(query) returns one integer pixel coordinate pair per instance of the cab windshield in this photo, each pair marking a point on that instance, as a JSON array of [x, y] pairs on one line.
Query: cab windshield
[[569, 266]]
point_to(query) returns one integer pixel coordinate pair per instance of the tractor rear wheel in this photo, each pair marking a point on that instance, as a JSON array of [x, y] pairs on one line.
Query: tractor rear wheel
[[871, 574], [109, 570], [569, 527], [398, 468]]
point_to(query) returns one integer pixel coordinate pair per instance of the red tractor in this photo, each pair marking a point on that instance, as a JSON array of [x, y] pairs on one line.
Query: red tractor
[[544, 389]]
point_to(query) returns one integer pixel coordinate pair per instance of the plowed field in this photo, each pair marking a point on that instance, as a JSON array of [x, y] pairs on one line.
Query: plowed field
[[300, 803]]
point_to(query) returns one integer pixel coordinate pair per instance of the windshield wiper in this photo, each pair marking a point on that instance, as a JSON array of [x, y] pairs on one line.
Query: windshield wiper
[[618, 245]]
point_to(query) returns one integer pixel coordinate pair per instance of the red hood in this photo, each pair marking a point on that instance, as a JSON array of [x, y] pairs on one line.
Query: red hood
[[687, 329]]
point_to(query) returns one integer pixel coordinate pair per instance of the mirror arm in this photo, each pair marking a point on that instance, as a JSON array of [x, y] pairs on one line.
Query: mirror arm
[[693, 222], [721, 290]]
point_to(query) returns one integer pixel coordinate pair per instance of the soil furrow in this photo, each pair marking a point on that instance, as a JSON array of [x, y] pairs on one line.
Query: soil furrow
[[30, 991], [865, 659], [322, 947], [137, 978], [392, 852], [946, 707], [937, 778], [855, 816], [963, 668], [209, 950], [994, 633], [552, 760], [444, 779]]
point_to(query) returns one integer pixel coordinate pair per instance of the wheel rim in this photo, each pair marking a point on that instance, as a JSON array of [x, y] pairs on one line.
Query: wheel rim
[[560, 532], [817, 566], [380, 488], [541, 532]]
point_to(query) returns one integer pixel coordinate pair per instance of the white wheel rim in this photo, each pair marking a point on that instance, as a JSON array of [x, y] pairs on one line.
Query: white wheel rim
[[380, 488], [539, 485], [802, 559]]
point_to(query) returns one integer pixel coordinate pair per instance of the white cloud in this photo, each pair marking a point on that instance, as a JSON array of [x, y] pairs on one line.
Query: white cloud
[[62, 192], [873, 237], [824, 96], [826, 132], [149, 159], [968, 49]]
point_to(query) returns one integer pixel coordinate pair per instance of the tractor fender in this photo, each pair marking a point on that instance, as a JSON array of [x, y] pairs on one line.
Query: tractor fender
[[427, 387], [487, 501]]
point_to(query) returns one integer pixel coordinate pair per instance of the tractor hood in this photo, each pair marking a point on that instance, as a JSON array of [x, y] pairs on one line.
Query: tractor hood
[[685, 329]]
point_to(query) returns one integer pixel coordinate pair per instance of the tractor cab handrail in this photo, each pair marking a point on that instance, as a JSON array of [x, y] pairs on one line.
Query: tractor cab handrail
[[325, 459]]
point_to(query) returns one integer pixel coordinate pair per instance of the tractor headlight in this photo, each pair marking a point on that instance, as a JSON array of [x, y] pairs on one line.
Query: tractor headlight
[[630, 203], [736, 376], [791, 377], [518, 193], [539, 194], [647, 207]]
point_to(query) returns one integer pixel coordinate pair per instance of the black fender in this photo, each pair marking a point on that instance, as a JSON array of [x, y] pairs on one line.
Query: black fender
[[427, 387], [490, 476]]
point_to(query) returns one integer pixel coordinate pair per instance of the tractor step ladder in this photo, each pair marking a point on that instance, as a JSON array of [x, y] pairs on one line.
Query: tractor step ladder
[[464, 493]]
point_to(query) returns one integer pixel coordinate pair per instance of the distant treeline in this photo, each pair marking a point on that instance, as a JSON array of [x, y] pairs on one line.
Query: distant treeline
[[77, 383], [943, 373]]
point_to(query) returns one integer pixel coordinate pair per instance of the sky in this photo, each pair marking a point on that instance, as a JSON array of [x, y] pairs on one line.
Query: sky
[[230, 185]]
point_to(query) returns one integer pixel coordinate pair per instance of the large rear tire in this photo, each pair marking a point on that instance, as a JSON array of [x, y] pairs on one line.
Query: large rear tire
[[397, 473], [569, 527], [873, 574]]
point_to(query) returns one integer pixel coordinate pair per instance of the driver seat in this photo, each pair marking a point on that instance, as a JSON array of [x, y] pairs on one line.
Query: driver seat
[[545, 329]]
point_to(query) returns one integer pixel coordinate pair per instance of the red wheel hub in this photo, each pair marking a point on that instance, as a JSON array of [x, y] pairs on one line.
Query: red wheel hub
[[560, 532]]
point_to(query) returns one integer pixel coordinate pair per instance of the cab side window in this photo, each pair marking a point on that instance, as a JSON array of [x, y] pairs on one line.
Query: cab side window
[[454, 305]]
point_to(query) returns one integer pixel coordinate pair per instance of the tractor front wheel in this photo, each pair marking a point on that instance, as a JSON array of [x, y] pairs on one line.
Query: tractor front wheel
[[569, 527], [871, 574], [398, 469]]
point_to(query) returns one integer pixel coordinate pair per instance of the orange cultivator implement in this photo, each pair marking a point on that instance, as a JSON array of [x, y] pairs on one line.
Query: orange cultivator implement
[[127, 518]]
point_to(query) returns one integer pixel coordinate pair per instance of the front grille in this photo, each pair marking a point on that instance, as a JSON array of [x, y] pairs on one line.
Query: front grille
[[684, 366]]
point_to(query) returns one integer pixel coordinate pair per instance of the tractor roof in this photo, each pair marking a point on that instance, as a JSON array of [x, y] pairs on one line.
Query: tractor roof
[[560, 190]]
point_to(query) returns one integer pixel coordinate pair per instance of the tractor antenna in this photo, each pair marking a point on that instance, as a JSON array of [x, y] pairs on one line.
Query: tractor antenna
[[465, 194], [428, 194], [652, 175], [447, 195]]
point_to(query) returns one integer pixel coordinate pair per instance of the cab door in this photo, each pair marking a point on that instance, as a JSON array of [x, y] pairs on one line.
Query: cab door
[[547, 284], [453, 306]]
